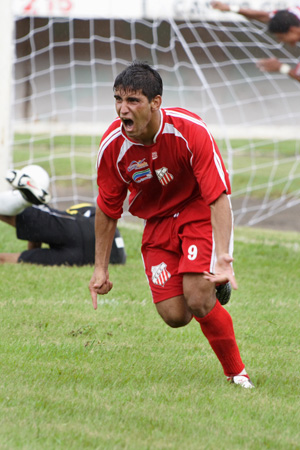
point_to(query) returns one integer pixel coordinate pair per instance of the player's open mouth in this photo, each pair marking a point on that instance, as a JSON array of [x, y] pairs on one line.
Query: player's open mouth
[[128, 124]]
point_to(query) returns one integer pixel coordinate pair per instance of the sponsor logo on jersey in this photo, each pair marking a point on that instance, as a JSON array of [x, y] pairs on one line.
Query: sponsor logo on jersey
[[136, 165], [142, 175], [164, 176], [160, 275]]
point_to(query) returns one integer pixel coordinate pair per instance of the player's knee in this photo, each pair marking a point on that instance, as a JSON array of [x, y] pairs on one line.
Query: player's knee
[[199, 294], [200, 306], [200, 303], [177, 323], [177, 320], [174, 311]]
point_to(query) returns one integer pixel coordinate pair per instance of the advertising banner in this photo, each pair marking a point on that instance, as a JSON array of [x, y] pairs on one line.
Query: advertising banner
[[137, 9]]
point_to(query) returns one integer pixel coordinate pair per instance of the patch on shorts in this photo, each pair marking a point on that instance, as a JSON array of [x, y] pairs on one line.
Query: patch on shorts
[[160, 275]]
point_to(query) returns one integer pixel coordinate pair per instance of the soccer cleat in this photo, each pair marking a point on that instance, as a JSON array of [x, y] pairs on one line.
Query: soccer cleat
[[223, 293], [28, 187], [242, 380]]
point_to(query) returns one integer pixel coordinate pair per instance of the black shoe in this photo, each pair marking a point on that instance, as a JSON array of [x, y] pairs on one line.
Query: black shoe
[[223, 293]]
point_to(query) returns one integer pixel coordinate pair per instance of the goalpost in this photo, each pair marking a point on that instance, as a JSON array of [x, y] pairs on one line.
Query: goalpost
[[68, 52], [6, 42]]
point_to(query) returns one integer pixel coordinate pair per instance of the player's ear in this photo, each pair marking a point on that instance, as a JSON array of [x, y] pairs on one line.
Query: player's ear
[[156, 102]]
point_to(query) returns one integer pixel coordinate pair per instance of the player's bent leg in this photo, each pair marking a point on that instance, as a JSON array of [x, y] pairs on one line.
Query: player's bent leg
[[10, 220], [174, 311], [216, 325], [199, 294]]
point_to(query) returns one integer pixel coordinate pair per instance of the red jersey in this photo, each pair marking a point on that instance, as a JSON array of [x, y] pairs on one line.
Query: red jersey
[[182, 164]]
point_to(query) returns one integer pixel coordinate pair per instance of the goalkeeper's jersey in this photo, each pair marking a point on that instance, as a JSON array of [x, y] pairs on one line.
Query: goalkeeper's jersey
[[85, 215], [183, 164]]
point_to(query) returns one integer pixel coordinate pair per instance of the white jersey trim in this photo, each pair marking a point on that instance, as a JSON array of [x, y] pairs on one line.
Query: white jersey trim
[[111, 137], [199, 122], [170, 129], [106, 142]]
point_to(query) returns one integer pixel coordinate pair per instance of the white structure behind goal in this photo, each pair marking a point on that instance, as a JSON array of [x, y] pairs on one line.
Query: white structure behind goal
[[62, 99]]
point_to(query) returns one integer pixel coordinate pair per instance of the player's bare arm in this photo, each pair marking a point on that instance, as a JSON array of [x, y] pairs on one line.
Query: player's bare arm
[[295, 73], [105, 228], [269, 65], [220, 6], [274, 65], [10, 220], [221, 219], [251, 14], [10, 258]]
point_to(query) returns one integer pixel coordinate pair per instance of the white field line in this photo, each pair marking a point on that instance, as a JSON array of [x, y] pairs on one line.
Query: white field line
[[295, 246]]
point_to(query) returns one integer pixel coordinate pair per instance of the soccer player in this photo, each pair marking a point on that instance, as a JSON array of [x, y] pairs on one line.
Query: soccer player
[[284, 24], [170, 163], [70, 234]]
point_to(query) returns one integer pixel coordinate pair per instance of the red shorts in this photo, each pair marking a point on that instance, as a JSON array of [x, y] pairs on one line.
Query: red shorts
[[176, 245]]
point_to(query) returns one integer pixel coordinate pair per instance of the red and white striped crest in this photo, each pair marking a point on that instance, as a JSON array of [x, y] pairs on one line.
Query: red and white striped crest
[[160, 275], [164, 176]]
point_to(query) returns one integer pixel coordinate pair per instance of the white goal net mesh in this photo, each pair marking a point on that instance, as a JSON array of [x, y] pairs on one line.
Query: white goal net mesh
[[63, 72]]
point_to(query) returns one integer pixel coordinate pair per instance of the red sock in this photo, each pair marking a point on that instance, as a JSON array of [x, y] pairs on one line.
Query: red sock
[[217, 327]]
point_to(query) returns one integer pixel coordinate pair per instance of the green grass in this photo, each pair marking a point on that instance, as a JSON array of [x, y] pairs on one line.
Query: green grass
[[119, 378], [257, 164], [264, 164], [61, 156]]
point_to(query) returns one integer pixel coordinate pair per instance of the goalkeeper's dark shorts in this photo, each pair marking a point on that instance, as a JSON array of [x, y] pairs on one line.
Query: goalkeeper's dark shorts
[[70, 238]]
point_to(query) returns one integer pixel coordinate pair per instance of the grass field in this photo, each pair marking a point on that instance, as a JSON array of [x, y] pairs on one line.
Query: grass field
[[119, 378]]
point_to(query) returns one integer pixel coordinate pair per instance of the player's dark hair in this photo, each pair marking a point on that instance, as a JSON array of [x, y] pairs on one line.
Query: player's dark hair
[[140, 76], [282, 21]]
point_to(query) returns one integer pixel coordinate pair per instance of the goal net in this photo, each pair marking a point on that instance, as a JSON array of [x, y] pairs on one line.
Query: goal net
[[62, 99]]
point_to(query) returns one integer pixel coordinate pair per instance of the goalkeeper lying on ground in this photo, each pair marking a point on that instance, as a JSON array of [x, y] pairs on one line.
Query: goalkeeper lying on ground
[[69, 234]]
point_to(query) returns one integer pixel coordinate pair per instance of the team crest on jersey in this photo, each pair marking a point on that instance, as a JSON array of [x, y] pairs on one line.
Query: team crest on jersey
[[160, 275], [164, 176]]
